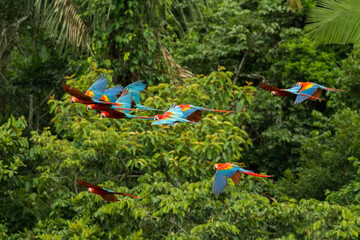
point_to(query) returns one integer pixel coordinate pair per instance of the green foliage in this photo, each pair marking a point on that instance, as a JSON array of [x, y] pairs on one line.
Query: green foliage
[[333, 21]]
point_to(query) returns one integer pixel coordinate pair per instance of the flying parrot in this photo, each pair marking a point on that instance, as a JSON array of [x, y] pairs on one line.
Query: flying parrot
[[303, 90], [229, 170], [117, 115], [182, 113], [95, 92], [128, 99], [107, 100], [106, 194]]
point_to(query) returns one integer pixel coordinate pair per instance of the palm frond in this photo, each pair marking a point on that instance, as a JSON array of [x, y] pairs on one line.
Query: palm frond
[[335, 21], [295, 5], [62, 20]]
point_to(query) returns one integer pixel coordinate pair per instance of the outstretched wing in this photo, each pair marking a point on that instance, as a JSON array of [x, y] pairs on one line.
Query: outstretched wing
[[75, 92], [305, 94], [220, 183], [110, 94], [97, 89], [272, 88], [134, 90], [268, 87], [166, 121], [88, 185]]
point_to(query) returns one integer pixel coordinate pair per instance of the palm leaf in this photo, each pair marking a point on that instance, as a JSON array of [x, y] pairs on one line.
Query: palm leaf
[[335, 21], [62, 16]]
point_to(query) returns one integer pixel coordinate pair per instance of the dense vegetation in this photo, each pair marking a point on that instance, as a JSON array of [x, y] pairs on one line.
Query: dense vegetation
[[211, 53]]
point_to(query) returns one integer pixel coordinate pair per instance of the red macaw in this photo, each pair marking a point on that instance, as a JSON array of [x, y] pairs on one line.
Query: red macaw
[[95, 92], [106, 194], [117, 115], [303, 90], [229, 170], [182, 113]]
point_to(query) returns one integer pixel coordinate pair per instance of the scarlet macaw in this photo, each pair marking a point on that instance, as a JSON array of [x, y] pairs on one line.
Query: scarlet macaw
[[106, 194], [182, 113], [303, 90], [95, 92], [117, 115], [229, 170]]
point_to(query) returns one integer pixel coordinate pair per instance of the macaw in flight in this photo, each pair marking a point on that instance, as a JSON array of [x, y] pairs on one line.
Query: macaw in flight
[[303, 90], [229, 170], [128, 99], [106, 194], [120, 114], [95, 92], [182, 113]]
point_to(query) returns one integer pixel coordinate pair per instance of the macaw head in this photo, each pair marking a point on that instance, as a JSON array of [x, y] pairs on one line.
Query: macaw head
[[215, 166], [90, 189], [90, 106], [158, 117], [74, 100], [273, 93], [104, 114]]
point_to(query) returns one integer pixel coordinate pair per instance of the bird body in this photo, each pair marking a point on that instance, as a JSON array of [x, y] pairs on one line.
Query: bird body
[[95, 92], [106, 194], [303, 90], [229, 170]]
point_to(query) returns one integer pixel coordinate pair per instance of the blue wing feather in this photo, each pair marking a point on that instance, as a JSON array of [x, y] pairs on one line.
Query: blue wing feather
[[112, 92], [310, 91], [98, 87]]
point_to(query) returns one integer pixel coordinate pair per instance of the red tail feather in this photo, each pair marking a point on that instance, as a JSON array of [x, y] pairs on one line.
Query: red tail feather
[[219, 110], [335, 89], [257, 175], [128, 195]]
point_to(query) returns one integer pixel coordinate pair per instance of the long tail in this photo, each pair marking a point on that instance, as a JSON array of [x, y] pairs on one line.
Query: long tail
[[257, 175], [215, 110], [139, 117], [333, 89], [130, 109], [126, 194], [142, 107]]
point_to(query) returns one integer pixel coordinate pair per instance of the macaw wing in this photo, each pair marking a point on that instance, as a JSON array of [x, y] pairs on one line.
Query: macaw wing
[[110, 197], [188, 112], [88, 185], [268, 87], [294, 89], [124, 99], [220, 183], [97, 89], [305, 94], [165, 121], [75, 92], [117, 114], [195, 116], [110, 94], [176, 111]]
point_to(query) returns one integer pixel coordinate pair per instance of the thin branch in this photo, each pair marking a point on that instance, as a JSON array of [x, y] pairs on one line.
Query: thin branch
[[240, 66]]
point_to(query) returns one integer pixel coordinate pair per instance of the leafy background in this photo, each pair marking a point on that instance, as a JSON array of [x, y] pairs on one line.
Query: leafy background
[[210, 53]]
